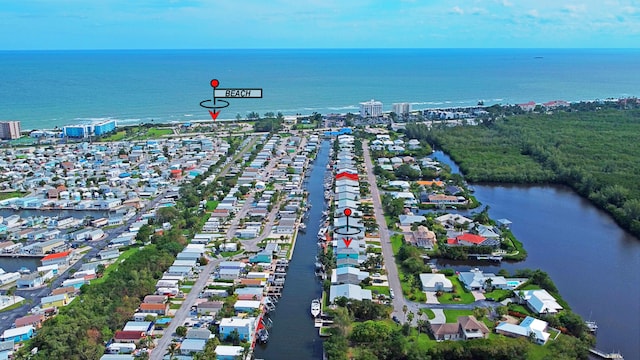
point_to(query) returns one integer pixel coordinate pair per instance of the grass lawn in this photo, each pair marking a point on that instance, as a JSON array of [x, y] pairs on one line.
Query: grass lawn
[[158, 132], [452, 314], [230, 253], [498, 294], [11, 194], [428, 312], [14, 306], [211, 205], [530, 287], [113, 267], [411, 293], [174, 306], [396, 243], [458, 289], [519, 308], [117, 136], [378, 289]]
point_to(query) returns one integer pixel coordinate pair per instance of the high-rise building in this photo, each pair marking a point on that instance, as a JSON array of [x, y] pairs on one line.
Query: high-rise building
[[9, 130], [371, 108], [402, 108]]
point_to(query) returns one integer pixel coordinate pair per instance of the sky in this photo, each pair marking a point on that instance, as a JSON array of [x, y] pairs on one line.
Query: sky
[[224, 24]]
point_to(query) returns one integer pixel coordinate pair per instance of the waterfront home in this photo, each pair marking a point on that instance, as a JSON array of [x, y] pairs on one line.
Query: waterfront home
[[347, 262], [48, 246], [350, 291], [61, 259], [76, 283], [348, 275], [539, 301], [227, 352], [528, 326], [245, 327], [435, 282], [54, 301], [32, 280], [248, 306], [466, 328], [8, 278], [468, 239], [475, 279], [18, 334]]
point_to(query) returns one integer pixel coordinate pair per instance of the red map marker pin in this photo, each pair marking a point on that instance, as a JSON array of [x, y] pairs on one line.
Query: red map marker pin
[[347, 212], [347, 241], [215, 83]]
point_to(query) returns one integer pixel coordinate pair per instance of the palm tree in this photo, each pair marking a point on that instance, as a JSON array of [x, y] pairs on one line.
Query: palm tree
[[404, 310], [173, 348]]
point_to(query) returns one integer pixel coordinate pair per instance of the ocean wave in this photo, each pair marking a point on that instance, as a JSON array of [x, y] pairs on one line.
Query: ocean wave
[[348, 107], [187, 115], [94, 118]]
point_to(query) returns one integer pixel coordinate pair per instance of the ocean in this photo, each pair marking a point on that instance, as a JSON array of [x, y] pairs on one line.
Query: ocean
[[47, 89]]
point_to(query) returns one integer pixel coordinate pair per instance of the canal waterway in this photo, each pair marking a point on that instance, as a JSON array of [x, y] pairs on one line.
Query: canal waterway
[[594, 263], [293, 335]]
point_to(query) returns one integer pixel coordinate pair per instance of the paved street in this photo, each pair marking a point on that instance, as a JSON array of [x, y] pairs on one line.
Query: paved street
[[390, 262]]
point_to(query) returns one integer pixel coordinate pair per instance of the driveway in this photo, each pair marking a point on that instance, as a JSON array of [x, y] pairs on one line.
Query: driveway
[[439, 317]]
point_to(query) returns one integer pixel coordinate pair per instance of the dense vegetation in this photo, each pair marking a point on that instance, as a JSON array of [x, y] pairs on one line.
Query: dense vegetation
[[594, 152]]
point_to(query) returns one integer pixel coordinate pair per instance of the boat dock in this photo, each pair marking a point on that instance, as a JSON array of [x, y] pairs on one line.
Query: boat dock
[[603, 355]]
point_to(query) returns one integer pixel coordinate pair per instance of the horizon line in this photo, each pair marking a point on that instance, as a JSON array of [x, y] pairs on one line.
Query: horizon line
[[320, 48]]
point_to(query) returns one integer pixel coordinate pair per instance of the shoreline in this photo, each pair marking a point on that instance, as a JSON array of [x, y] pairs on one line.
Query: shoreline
[[339, 111]]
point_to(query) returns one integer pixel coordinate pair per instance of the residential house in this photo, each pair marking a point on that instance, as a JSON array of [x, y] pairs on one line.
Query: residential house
[[129, 336], [160, 309], [35, 320], [31, 280], [468, 239], [539, 301], [18, 334], [62, 258], [421, 237], [245, 328], [435, 282], [408, 220], [475, 279], [348, 275], [190, 346], [466, 328], [525, 329], [227, 352], [350, 291], [54, 301]]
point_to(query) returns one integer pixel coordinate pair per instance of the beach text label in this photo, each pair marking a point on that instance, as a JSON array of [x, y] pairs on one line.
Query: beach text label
[[238, 93]]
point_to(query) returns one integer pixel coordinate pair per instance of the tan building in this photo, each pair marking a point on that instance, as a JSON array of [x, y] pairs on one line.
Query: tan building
[[9, 130]]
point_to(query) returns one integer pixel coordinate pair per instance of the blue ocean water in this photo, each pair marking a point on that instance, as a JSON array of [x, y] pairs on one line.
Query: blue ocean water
[[44, 89]]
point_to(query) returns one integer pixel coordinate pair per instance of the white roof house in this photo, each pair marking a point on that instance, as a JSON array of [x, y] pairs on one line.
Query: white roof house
[[525, 328], [435, 282], [540, 301], [349, 291], [228, 351], [475, 279]]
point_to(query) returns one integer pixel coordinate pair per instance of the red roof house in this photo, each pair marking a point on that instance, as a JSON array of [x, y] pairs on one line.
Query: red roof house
[[347, 175], [467, 239], [57, 258], [132, 336]]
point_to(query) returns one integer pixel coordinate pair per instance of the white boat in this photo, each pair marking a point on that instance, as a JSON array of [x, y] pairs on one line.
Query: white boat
[[315, 307]]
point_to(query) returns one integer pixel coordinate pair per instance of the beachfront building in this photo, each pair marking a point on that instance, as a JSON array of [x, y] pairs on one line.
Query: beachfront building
[[402, 108], [9, 130], [85, 130], [371, 108]]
